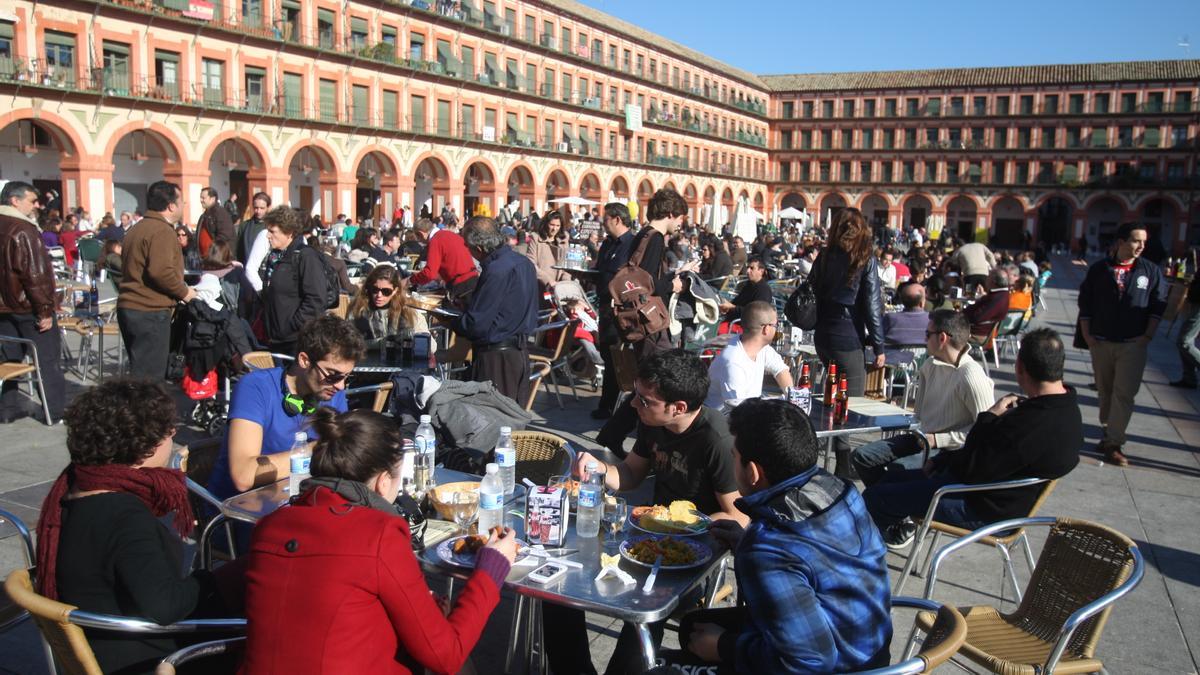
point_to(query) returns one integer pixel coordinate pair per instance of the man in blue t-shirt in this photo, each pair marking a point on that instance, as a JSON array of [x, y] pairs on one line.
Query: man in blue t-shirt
[[271, 406]]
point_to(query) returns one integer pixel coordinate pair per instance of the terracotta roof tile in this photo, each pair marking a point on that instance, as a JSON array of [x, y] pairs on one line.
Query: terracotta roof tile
[[1002, 76]]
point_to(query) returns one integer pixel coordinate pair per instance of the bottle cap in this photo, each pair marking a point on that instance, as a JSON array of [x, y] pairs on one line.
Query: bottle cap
[[301, 437], [506, 430], [592, 466], [492, 468], [425, 419]]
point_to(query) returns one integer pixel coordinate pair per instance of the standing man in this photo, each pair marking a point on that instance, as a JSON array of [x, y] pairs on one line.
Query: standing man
[[214, 223], [502, 313], [613, 255], [27, 301], [152, 282], [231, 206], [447, 259], [1121, 301], [975, 260], [247, 230]]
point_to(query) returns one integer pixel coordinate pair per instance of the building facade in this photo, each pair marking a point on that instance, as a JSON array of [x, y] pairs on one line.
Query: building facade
[[1054, 153], [357, 108]]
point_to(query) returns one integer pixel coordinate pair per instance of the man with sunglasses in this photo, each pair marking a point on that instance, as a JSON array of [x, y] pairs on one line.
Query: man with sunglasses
[[271, 406], [952, 390], [737, 372]]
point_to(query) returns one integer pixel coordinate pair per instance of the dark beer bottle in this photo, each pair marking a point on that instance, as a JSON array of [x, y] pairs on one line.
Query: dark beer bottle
[[842, 403], [830, 384]]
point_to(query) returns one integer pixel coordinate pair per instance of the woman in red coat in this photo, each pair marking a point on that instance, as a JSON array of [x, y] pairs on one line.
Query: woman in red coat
[[333, 585]]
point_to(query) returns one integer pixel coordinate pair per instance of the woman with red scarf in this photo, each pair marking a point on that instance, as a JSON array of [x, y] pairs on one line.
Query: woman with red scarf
[[101, 545]]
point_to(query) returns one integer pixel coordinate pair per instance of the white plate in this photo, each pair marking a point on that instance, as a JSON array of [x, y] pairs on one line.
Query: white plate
[[445, 553], [698, 528], [703, 552]]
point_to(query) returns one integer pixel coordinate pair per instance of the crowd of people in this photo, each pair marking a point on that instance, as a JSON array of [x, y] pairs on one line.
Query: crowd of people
[[809, 546]]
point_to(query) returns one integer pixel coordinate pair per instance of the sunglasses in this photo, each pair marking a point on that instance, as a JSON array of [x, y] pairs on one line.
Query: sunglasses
[[385, 292], [329, 376]]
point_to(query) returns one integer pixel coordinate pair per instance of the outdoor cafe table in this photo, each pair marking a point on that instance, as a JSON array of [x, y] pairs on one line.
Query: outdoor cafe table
[[866, 416], [577, 588]]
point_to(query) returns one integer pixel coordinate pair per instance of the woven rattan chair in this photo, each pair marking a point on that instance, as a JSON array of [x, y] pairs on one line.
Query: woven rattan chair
[[537, 372], [541, 455], [943, 641], [1084, 568], [62, 625], [556, 355], [264, 360], [381, 391], [1003, 544], [199, 651]]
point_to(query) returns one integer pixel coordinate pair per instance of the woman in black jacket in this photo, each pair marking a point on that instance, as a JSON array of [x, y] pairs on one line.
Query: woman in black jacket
[[849, 303], [295, 291]]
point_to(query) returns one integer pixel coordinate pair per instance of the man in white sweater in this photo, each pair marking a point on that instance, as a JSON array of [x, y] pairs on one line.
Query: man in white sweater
[[953, 390]]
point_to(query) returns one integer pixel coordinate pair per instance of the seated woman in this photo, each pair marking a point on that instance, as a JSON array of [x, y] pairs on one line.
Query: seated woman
[[101, 545], [365, 606], [112, 261], [379, 310], [1021, 295]]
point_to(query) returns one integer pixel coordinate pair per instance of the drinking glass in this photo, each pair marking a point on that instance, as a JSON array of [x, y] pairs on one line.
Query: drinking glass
[[616, 511], [463, 507]]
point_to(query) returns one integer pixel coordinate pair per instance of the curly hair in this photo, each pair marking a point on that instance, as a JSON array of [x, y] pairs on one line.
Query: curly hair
[[119, 421], [285, 219], [328, 335]]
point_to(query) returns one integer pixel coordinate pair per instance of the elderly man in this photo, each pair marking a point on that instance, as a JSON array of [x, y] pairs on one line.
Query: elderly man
[[1121, 301], [990, 309], [27, 300], [737, 373], [215, 222], [906, 327], [1037, 435], [502, 313]]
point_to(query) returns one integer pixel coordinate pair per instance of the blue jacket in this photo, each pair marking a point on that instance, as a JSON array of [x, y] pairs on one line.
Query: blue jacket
[[1120, 317], [812, 570], [504, 303]]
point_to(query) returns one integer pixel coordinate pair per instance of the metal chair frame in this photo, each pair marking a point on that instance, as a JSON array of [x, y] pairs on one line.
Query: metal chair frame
[[1076, 618], [1008, 333], [30, 561], [30, 377], [557, 357], [921, 662], [192, 652], [1002, 547]]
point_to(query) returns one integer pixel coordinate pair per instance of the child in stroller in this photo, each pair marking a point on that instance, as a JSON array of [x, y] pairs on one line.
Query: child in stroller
[[214, 342], [573, 303]]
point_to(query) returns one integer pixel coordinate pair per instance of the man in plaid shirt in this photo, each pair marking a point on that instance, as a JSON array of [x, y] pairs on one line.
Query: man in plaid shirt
[[811, 565]]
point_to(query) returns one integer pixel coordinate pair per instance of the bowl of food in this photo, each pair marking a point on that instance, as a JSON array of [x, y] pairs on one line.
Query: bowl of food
[[679, 518], [440, 497]]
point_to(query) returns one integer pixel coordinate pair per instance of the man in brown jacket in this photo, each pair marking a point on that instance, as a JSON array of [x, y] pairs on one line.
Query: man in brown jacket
[[215, 222], [27, 301], [152, 282]]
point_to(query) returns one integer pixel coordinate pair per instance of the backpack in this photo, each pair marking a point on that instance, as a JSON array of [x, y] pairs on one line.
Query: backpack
[[801, 306], [638, 313], [333, 285]]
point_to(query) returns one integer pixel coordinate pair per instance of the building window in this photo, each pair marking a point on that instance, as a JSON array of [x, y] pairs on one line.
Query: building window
[[931, 172], [979, 106], [391, 103], [956, 106], [325, 22], [887, 173], [1050, 104], [293, 94], [912, 107], [789, 110], [466, 122], [1026, 105], [806, 140], [256, 91], [1179, 137], [826, 139], [1096, 172], [1022, 177], [1024, 134], [416, 114], [530, 28], [1183, 101], [166, 74], [1128, 103], [889, 107], [889, 139], [910, 139], [1100, 103], [997, 172], [1099, 137], [1000, 138], [844, 173], [60, 58], [807, 109], [359, 33], [1154, 102], [1152, 137], [864, 172], [827, 109], [416, 47], [360, 100], [1075, 104], [823, 176], [116, 67], [443, 118], [1125, 137], [869, 108], [1073, 137], [848, 108], [212, 77], [1002, 103], [327, 92], [868, 139], [1048, 137]]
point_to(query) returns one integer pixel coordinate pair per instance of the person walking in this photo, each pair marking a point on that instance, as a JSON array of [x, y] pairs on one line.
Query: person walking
[[152, 282], [27, 301], [613, 255], [1121, 301]]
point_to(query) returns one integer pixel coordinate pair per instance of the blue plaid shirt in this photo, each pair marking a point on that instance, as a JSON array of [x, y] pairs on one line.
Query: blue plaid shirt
[[812, 570]]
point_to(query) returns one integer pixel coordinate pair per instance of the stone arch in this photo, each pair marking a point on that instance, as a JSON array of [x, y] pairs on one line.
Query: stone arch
[[874, 207], [479, 188], [759, 201], [377, 189], [48, 151], [324, 154], [828, 206], [1167, 197], [744, 194], [670, 185], [589, 187], [1043, 198], [557, 184], [645, 190], [312, 178], [792, 200], [619, 187], [59, 129], [159, 134], [520, 186], [1055, 213], [994, 202], [1117, 197], [143, 154], [962, 213], [915, 209], [1102, 214], [431, 184], [1161, 214]]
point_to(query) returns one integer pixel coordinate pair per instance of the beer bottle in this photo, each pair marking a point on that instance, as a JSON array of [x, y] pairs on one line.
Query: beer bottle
[[830, 384], [843, 403]]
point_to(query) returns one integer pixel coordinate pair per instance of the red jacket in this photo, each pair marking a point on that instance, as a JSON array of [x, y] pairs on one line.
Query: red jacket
[[447, 259], [337, 589]]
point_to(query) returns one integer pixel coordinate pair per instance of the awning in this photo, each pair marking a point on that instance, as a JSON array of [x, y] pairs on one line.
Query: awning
[[447, 58]]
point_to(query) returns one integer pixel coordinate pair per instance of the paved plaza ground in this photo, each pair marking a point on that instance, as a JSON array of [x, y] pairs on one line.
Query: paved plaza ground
[[1155, 501]]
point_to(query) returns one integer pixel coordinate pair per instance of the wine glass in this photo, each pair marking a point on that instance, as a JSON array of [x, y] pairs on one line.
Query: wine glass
[[616, 511], [463, 507]]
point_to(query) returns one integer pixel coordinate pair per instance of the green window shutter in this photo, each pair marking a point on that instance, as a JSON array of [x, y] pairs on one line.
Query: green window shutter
[[443, 118], [358, 25], [1152, 137], [6, 30], [490, 67], [1070, 173], [54, 37], [391, 100], [361, 97], [328, 100]]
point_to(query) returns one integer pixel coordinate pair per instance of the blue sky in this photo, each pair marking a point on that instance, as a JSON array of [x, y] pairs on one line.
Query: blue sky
[[803, 36]]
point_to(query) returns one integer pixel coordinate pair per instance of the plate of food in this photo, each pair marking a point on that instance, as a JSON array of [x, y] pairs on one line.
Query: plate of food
[[461, 551], [680, 518], [678, 553]]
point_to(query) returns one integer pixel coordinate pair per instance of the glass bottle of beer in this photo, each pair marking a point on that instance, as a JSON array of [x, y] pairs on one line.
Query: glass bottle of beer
[[830, 384], [843, 403]]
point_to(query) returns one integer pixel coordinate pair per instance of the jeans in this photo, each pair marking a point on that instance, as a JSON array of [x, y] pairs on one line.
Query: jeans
[[147, 337], [906, 494], [897, 453], [49, 351], [1189, 355]]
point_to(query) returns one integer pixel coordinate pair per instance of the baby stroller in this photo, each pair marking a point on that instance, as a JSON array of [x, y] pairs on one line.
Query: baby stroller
[[584, 360], [213, 344]]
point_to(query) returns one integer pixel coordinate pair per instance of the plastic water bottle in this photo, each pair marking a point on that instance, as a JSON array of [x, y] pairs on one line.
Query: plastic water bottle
[[426, 442], [591, 501], [300, 457], [506, 459], [491, 500]]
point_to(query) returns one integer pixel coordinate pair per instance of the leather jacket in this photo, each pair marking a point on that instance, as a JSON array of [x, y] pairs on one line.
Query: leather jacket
[[26, 275], [860, 301]]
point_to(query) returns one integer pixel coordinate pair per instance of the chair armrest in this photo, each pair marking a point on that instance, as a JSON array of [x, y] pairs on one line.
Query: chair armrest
[[1094, 607], [956, 488], [962, 542], [125, 624], [192, 652]]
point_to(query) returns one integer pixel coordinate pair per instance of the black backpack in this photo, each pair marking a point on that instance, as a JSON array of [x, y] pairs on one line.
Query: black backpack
[[333, 285]]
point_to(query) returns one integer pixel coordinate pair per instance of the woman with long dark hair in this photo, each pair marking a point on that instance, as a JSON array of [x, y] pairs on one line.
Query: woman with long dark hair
[[545, 247], [380, 308], [332, 581], [849, 303]]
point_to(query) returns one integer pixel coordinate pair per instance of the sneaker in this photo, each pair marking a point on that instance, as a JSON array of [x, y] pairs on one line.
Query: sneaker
[[899, 537], [1183, 384], [1113, 455]]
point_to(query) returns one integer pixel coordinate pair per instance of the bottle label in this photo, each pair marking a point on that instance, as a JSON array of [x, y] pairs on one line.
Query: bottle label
[[589, 499], [489, 501], [300, 464], [506, 457], [424, 444]]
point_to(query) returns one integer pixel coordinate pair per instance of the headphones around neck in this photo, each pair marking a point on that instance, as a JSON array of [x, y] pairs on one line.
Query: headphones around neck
[[294, 405]]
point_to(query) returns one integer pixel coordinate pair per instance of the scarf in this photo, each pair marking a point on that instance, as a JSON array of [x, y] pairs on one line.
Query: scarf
[[354, 492], [162, 491]]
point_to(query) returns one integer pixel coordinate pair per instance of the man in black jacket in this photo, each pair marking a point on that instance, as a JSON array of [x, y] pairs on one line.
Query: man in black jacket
[[613, 255], [1121, 301], [1038, 436]]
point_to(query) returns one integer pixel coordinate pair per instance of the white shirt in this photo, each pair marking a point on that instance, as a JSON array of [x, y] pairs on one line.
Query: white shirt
[[887, 275], [733, 377]]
